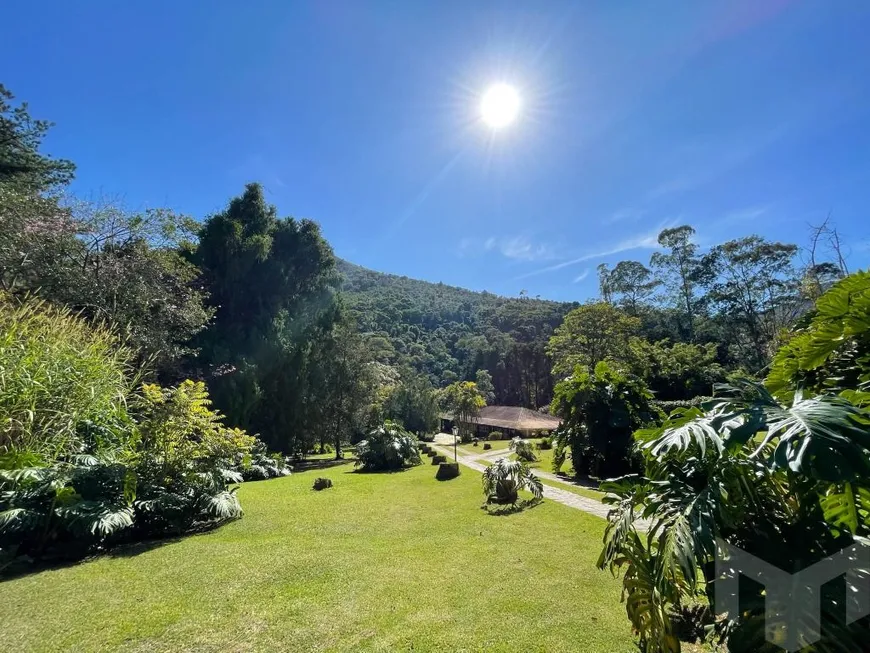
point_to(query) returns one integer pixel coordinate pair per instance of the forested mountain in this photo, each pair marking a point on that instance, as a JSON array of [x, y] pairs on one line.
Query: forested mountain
[[449, 333]]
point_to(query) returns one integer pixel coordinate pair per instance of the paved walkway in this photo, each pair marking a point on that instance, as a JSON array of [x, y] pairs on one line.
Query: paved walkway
[[444, 445]]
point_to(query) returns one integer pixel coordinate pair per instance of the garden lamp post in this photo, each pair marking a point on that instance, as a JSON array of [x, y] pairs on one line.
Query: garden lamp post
[[455, 438]]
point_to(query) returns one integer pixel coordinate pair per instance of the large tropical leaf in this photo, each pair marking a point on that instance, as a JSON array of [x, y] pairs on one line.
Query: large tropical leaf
[[505, 473], [231, 476], [684, 428], [225, 505], [97, 518], [822, 437], [18, 520], [848, 507]]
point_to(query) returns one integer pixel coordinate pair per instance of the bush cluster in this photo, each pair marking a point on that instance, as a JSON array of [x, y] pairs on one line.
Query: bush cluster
[[88, 457], [388, 447], [668, 406]]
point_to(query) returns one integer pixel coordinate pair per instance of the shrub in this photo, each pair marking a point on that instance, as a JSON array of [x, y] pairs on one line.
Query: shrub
[[503, 480], [446, 471], [71, 506], [322, 483], [423, 436], [63, 384], [173, 477], [545, 444], [496, 435], [387, 447], [259, 464], [600, 410], [780, 470], [523, 450], [787, 482], [177, 427], [668, 406], [85, 462], [185, 461], [487, 446], [438, 459]]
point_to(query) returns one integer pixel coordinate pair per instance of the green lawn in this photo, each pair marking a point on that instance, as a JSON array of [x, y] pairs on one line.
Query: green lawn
[[587, 492], [388, 562], [497, 445]]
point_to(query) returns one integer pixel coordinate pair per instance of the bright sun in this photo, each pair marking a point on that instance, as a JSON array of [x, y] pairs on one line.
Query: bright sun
[[500, 105]]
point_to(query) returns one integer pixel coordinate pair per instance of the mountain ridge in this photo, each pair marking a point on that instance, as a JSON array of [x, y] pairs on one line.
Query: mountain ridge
[[448, 333]]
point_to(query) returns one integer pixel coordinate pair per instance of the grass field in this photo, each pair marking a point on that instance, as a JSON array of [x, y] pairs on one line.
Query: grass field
[[380, 562], [497, 445]]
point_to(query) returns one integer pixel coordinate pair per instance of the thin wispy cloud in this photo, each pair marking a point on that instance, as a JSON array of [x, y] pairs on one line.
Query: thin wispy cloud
[[623, 215], [642, 241], [516, 248], [581, 276], [522, 249], [745, 214]]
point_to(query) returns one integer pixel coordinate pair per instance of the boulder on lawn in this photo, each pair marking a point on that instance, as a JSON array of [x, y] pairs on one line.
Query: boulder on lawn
[[322, 483], [446, 471]]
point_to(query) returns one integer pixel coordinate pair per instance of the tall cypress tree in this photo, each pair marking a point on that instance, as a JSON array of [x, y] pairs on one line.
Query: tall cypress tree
[[272, 283]]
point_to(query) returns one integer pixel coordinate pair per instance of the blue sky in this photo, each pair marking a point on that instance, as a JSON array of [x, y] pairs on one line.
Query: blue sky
[[734, 116]]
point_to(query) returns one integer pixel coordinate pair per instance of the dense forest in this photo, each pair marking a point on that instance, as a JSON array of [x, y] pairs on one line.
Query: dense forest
[[450, 333], [681, 322]]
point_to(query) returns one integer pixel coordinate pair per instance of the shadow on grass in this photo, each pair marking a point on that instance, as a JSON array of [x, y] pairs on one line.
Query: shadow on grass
[[362, 470], [25, 565], [510, 509], [587, 482], [309, 465]]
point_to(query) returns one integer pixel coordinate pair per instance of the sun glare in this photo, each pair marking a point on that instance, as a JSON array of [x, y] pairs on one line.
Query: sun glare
[[500, 105]]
